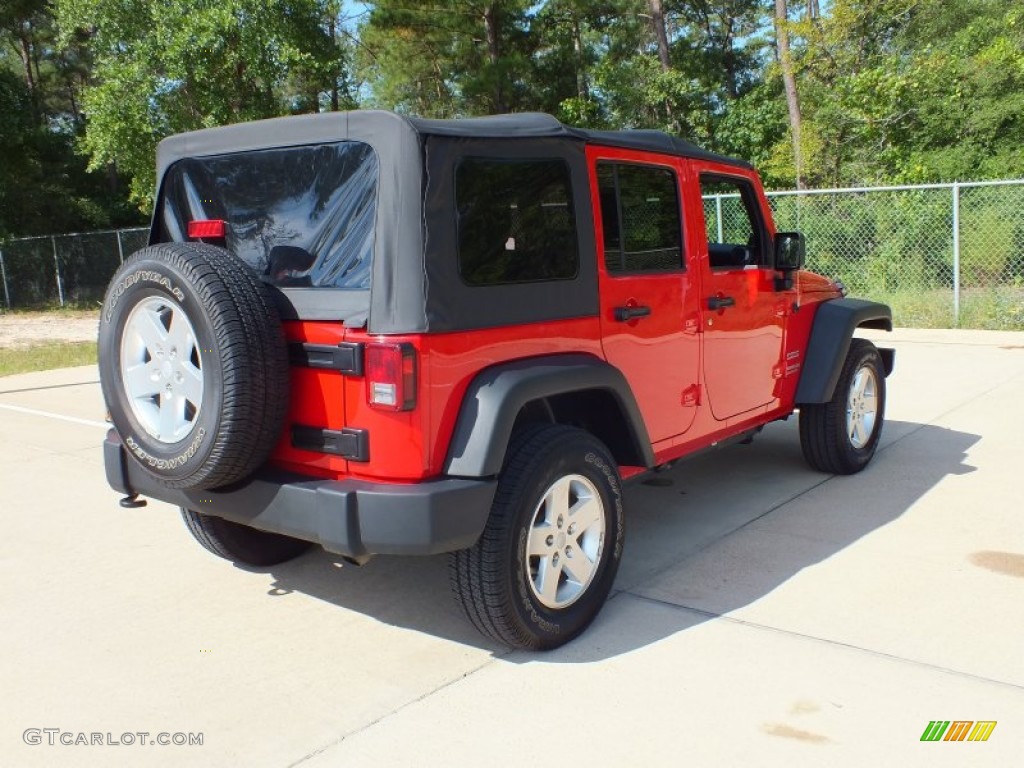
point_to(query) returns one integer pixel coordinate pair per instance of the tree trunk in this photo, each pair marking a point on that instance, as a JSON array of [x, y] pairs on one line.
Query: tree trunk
[[73, 101], [494, 55], [789, 81], [332, 30], [730, 61], [25, 54], [660, 34], [582, 87]]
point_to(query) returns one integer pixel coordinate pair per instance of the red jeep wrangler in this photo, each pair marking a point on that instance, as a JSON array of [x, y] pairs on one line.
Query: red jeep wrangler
[[386, 335]]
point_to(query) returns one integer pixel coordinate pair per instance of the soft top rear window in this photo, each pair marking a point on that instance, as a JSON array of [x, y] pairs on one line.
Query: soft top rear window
[[301, 216]]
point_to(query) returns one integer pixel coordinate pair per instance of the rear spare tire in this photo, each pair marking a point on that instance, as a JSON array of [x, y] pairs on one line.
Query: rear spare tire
[[193, 364]]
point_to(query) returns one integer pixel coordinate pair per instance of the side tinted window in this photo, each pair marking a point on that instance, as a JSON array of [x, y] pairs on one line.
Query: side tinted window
[[515, 221], [731, 223], [640, 216]]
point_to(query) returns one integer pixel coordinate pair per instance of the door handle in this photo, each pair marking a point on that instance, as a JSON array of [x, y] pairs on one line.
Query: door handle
[[721, 302], [625, 314]]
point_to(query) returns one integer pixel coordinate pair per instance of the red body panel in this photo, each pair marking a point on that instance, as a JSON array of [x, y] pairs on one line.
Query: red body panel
[[317, 400], [699, 375], [659, 354], [743, 342], [399, 446]]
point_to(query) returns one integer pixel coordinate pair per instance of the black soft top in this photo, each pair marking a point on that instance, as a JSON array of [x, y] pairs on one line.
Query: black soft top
[[414, 231], [332, 126], [538, 124]]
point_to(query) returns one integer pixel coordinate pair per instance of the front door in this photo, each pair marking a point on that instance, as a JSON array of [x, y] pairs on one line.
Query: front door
[[742, 314], [649, 299]]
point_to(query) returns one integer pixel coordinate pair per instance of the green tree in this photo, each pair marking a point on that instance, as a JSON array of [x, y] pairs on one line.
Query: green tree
[[446, 59], [44, 186], [966, 70], [166, 66], [908, 92]]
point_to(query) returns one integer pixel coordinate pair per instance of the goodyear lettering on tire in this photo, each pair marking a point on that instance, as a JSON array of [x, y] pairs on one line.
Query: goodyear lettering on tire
[[147, 275]]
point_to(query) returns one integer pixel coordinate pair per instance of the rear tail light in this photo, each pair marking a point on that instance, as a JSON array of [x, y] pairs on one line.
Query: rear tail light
[[390, 371], [206, 229]]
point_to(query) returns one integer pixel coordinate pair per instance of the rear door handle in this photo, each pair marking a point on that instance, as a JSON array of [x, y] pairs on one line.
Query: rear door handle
[[721, 302], [625, 314]]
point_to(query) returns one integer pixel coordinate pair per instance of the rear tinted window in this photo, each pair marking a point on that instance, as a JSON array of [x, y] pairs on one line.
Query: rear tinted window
[[301, 216], [515, 221]]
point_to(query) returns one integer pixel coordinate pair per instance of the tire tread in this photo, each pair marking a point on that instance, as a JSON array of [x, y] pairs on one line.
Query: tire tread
[[823, 425], [478, 576]]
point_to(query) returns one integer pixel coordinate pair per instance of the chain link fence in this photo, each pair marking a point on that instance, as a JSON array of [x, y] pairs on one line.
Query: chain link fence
[[942, 255], [64, 270]]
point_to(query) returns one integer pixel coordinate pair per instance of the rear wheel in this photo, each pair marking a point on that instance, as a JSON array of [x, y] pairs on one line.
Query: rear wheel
[[547, 558], [841, 436], [240, 543]]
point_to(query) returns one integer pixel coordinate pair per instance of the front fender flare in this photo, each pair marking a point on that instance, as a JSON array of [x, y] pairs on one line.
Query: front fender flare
[[834, 324]]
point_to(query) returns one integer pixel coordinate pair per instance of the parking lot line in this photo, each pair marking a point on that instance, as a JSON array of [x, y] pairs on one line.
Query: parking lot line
[[59, 416]]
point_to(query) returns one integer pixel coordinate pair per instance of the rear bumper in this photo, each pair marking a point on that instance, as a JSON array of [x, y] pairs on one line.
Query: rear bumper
[[348, 517]]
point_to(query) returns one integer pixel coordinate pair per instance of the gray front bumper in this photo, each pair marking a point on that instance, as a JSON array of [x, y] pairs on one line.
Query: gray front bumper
[[348, 517]]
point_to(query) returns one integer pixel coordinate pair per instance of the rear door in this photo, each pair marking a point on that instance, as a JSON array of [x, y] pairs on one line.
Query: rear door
[[743, 315], [649, 299]]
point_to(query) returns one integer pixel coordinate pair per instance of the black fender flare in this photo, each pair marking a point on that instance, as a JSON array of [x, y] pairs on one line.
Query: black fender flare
[[834, 324], [496, 396]]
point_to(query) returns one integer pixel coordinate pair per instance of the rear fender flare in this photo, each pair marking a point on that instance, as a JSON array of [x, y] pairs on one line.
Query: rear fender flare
[[496, 396]]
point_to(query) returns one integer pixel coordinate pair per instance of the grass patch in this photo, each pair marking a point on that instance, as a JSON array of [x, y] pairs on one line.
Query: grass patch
[[45, 357], [85, 310], [992, 309]]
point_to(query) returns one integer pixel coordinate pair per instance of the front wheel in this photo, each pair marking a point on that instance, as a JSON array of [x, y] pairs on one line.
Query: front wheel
[[841, 436], [548, 555]]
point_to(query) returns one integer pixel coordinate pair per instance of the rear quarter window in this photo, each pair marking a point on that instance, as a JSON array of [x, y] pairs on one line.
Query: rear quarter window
[[515, 221]]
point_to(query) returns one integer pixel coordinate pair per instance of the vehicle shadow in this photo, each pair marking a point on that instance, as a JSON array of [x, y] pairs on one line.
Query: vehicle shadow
[[672, 517]]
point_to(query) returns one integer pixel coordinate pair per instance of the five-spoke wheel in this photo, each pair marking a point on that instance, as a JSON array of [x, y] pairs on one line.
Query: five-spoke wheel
[[862, 406], [162, 369], [193, 364], [566, 541]]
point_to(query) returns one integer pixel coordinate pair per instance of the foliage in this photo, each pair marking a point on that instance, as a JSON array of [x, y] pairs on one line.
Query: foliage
[[166, 66], [889, 91], [44, 186], [469, 58], [914, 92]]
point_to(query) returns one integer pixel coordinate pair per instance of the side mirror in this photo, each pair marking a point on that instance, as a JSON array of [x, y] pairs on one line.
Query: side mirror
[[789, 251]]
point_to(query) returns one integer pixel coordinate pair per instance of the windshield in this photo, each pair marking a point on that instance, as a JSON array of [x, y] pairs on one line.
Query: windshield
[[301, 216]]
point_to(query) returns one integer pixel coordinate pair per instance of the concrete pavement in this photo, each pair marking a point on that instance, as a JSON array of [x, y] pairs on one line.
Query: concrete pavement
[[764, 614]]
